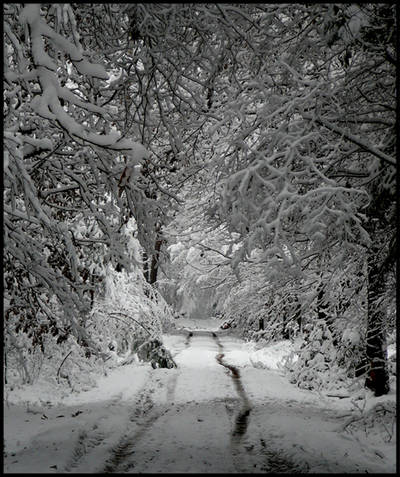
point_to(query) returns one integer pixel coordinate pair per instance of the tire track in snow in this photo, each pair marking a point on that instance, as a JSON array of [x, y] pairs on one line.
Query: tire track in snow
[[88, 440], [144, 414], [275, 463], [242, 419], [173, 381], [120, 452], [119, 460], [85, 443]]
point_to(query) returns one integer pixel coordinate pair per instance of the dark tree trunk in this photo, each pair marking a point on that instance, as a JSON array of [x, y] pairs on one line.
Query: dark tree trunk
[[146, 269], [381, 227], [92, 292], [297, 315], [150, 266], [154, 262], [322, 307], [5, 364], [377, 378]]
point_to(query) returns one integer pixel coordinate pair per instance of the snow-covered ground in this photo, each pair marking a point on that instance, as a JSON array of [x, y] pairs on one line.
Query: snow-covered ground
[[197, 418]]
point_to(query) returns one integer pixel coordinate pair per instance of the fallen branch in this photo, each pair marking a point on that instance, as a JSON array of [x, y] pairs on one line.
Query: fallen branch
[[337, 396]]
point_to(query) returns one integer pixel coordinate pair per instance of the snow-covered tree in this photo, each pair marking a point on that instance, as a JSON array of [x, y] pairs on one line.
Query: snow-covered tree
[[301, 120], [62, 162], [314, 155], [268, 126]]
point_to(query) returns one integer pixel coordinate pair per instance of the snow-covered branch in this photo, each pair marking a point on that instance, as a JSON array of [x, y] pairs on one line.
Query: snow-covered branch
[[360, 142]]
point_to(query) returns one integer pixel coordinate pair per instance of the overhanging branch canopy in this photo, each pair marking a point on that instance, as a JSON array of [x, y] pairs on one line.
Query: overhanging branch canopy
[[362, 143]]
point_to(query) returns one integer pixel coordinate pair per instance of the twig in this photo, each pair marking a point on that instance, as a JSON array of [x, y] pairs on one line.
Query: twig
[[124, 314], [337, 396], [214, 250], [341, 132], [351, 421], [59, 369]]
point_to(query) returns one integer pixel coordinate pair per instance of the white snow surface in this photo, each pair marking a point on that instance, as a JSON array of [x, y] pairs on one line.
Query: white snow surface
[[194, 418]]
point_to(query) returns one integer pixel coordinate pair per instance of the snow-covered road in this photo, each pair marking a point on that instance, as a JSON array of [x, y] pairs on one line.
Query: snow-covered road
[[208, 415]]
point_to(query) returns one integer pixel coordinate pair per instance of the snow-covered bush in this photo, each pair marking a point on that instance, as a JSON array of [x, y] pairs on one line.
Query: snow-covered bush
[[64, 366], [316, 366], [128, 313], [378, 422]]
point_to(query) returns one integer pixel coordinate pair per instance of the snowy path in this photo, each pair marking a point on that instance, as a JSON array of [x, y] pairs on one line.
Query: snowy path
[[208, 415], [186, 429]]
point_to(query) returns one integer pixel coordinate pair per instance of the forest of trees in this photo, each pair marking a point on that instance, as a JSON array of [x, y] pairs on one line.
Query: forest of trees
[[241, 156]]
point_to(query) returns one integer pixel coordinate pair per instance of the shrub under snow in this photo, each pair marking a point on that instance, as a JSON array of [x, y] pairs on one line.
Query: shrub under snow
[[125, 324], [129, 318]]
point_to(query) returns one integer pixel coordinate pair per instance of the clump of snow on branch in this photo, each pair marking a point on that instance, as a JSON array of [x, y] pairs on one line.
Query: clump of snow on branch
[[48, 105]]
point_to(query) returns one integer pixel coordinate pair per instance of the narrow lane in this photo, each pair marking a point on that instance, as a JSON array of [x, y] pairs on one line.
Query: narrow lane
[[199, 424], [208, 415], [189, 428]]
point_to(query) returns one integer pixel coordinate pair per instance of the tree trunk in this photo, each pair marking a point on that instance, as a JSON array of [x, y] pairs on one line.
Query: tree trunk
[[377, 378], [322, 310], [150, 266], [5, 364], [154, 262], [146, 269], [297, 316]]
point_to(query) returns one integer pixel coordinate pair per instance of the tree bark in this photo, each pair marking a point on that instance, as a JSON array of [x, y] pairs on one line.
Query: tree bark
[[154, 261], [146, 269], [377, 378]]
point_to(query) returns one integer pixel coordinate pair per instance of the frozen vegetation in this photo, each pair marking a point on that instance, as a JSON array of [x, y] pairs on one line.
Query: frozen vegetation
[[199, 235], [136, 419]]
